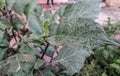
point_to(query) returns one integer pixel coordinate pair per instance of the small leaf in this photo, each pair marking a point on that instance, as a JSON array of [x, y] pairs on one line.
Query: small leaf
[[10, 3], [38, 10], [104, 74], [117, 61], [2, 54], [47, 14], [53, 29], [46, 28], [2, 3], [115, 66]]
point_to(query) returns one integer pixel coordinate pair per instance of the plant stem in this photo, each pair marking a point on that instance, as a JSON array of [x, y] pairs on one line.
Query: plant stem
[[2, 29], [14, 35], [45, 50], [11, 17], [12, 23], [19, 37]]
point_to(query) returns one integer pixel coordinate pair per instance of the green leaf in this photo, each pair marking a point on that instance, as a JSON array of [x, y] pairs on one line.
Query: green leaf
[[61, 11], [38, 63], [34, 24], [3, 40], [46, 28], [47, 72], [115, 66], [38, 10], [4, 44], [50, 51], [49, 23], [104, 74], [28, 49], [20, 4], [53, 29], [47, 14], [78, 37], [84, 31], [81, 9], [10, 3], [18, 64], [32, 7], [78, 34], [4, 23], [72, 58], [117, 61], [1, 36], [2, 3], [2, 54]]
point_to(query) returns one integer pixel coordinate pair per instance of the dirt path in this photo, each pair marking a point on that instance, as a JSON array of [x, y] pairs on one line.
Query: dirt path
[[109, 12]]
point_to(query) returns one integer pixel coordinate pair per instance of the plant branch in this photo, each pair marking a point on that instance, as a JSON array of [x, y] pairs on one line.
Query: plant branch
[[2, 29], [45, 50], [19, 37], [11, 17], [14, 35]]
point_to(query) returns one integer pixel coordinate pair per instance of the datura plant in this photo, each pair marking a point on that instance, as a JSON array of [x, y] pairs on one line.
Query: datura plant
[[37, 43]]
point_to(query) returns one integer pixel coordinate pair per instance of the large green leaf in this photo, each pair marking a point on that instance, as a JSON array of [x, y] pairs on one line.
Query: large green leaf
[[78, 34], [19, 65], [78, 37], [72, 58], [82, 9], [83, 31]]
